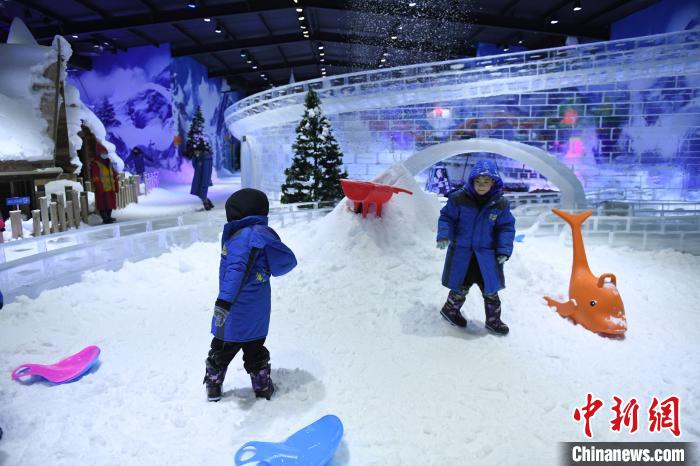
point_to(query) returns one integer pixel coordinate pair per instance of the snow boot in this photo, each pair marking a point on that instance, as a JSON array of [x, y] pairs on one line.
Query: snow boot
[[450, 311], [492, 306], [214, 379], [262, 383], [208, 205]]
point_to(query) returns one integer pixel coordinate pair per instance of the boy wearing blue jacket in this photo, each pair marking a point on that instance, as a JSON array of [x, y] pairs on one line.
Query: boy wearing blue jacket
[[477, 228], [251, 252]]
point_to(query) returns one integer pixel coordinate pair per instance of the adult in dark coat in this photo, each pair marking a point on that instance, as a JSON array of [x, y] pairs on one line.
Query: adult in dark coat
[[203, 163], [105, 183], [478, 229], [137, 161]]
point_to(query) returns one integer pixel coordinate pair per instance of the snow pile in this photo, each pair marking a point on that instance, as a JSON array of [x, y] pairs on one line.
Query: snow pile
[[356, 332]]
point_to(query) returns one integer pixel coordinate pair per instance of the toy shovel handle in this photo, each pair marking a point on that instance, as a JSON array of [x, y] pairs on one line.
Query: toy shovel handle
[[401, 190], [601, 279], [23, 370]]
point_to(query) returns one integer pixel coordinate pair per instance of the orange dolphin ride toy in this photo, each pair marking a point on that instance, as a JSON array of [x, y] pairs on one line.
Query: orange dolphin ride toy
[[593, 301]]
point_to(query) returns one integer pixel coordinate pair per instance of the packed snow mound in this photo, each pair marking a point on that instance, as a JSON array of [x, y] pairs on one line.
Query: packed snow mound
[[408, 223]]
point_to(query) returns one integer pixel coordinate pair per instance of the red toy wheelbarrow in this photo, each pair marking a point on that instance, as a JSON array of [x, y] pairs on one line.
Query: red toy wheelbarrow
[[364, 193]]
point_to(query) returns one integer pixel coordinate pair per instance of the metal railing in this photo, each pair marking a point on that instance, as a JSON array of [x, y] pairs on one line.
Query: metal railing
[[528, 71]]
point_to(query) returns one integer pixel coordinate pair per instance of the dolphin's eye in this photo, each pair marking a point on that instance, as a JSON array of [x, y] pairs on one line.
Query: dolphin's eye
[[593, 302]]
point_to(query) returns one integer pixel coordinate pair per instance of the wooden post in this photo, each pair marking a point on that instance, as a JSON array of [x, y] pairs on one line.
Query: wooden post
[[36, 219], [84, 207], [127, 192], [61, 212], [54, 217], [75, 197], [16, 223], [44, 207], [137, 182], [70, 222]]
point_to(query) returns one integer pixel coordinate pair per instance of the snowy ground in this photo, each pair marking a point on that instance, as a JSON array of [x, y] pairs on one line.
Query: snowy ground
[[355, 332]]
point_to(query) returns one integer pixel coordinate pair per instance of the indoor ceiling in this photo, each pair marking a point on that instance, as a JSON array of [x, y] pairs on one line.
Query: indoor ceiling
[[256, 44]]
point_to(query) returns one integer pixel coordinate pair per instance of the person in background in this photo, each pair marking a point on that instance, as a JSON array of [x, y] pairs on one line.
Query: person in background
[[251, 252], [477, 228], [105, 183], [203, 163], [137, 161]]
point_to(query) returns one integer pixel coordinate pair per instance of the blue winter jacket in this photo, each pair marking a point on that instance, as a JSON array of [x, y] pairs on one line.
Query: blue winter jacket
[[250, 253], [477, 229]]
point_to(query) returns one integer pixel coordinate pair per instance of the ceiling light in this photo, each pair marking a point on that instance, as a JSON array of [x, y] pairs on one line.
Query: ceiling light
[[320, 46], [381, 66], [394, 37], [244, 54], [323, 60], [386, 54], [520, 41], [383, 60], [296, 1], [301, 18], [192, 4], [506, 48], [577, 5], [255, 67], [299, 10], [262, 75], [207, 20], [218, 29], [554, 20], [75, 36], [411, 4]]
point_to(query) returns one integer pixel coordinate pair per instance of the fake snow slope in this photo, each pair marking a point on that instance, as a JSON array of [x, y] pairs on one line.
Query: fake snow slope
[[355, 332]]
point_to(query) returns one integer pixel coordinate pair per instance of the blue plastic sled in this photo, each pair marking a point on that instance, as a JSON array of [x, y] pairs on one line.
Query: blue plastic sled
[[314, 445]]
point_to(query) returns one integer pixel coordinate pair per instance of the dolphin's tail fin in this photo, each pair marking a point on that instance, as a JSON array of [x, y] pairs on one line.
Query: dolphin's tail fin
[[574, 220]]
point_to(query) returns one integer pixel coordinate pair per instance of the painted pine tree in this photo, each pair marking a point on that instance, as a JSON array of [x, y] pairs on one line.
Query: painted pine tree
[[105, 113], [196, 140], [316, 161]]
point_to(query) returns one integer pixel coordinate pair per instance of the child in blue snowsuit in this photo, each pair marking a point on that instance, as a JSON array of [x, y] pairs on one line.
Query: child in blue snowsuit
[[477, 228], [251, 252]]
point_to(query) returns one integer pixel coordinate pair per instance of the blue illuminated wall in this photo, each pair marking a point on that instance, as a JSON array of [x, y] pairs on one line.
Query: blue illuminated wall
[[144, 98]]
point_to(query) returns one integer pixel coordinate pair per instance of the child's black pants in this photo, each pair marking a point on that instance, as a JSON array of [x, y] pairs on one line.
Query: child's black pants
[[255, 355]]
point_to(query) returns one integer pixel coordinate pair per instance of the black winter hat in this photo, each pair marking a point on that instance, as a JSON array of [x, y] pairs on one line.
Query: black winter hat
[[245, 202]]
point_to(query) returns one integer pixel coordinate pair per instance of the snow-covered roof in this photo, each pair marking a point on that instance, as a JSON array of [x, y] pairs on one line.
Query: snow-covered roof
[[23, 127]]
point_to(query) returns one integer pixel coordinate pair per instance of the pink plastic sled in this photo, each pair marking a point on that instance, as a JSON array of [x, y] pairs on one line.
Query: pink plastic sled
[[63, 371]]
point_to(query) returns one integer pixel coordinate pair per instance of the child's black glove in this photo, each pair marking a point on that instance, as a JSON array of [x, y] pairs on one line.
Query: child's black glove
[[501, 258], [221, 309]]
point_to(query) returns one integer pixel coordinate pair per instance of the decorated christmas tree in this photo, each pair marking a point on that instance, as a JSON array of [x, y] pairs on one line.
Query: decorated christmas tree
[[196, 140], [315, 171], [329, 163]]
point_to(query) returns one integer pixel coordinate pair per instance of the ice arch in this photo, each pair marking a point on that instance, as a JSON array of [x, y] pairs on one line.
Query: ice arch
[[572, 195]]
